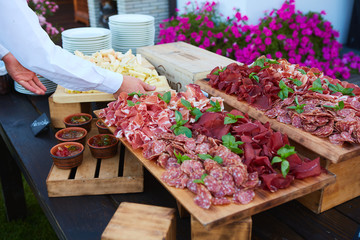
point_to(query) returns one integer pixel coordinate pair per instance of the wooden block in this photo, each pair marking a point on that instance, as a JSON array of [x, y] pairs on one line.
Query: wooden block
[[60, 183], [182, 63], [133, 221], [58, 111], [238, 230]]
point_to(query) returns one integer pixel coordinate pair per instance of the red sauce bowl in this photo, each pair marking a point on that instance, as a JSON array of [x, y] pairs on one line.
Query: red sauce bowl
[[67, 162], [106, 151], [102, 128], [84, 124], [59, 135]]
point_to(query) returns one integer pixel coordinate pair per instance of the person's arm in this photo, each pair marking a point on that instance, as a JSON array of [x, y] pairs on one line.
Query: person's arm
[[23, 36], [3, 51]]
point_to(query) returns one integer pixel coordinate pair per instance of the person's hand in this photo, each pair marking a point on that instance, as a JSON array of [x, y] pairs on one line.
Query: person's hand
[[133, 84], [22, 75]]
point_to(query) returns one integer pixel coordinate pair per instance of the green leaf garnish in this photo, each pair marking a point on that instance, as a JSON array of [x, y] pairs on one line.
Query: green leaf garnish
[[178, 128], [339, 88], [181, 158], [302, 71], [295, 81], [219, 71], [215, 106], [298, 108], [231, 118], [193, 110], [284, 90], [139, 94], [230, 142], [217, 159], [131, 103], [254, 76], [317, 86], [316, 74], [166, 97], [202, 179], [258, 62], [284, 152], [337, 107]]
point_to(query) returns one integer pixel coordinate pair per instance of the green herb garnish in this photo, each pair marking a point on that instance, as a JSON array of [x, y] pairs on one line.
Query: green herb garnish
[[131, 103], [217, 159], [139, 94], [215, 106], [232, 118], [302, 71], [339, 88], [317, 86], [284, 153], [284, 92], [316, 74], [254, 76], [337, 107], [295, 81], [193, 110], [179, 128], [261, 61], [181, 158], [202, 179], [230, 142], [219, 71], [166, 97], [298, 108]]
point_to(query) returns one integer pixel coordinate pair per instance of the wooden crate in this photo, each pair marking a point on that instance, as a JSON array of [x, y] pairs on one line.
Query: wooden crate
[[182, 63], [343, 161], [81, 11], [133, 221], [58, 111], [97, 177]]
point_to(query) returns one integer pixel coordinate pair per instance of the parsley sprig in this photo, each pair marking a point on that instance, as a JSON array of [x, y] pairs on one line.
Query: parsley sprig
[[284, 90], [317, 86], [232, 118], [215, 106], [219, 71], [131, 103], [166, 97], [299, 108], [284, 152], [339, 88], [193, 110], [261, 61], [337, 107], [217, 159], [295, 81], [254, 76], [179, 128], [139, 94], [229, 141], [202, 179], [181, 158]]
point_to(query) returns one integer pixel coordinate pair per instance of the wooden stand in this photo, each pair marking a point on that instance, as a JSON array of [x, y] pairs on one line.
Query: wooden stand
[[58, 111], [238, 230], [81, 11], [97, 177], [133, 221]]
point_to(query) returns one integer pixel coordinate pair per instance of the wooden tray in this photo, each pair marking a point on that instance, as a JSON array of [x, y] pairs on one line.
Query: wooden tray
[[97, 177], [221, 215], [321, 146]]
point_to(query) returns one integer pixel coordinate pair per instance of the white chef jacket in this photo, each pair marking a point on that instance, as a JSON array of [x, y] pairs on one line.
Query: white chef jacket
[[22, 35]]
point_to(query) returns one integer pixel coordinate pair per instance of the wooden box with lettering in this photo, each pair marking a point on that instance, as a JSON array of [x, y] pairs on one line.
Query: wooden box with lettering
[[182, 63]]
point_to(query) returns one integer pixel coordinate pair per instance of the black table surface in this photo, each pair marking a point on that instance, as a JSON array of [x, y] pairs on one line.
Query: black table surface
[[85, 217]]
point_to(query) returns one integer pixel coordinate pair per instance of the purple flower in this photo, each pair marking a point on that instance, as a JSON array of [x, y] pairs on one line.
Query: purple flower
[[198, 17], [278, 54], [267, 31], [219, 51], [281, 37], [206, 42], [267, 41], [181, 37], [248, 38]]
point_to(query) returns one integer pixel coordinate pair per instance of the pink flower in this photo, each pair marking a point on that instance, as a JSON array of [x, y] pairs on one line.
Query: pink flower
[[257, 40], [219, 51], [281, 37], [210, 24], [181, 37], [267, 41], [198, 17], [268, 56], [278, 54]]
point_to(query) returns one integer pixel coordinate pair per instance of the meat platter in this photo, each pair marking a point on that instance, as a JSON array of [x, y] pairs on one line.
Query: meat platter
[[132, 110]]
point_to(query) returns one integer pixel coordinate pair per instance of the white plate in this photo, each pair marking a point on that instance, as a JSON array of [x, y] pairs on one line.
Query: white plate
[[86, 32], [131, 18]]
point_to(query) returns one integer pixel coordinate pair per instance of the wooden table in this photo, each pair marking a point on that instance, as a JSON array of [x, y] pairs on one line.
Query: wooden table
[[86, 217]]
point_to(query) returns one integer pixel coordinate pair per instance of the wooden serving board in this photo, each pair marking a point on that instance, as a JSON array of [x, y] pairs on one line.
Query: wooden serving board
[[221, 215], [97, 177], [321, 146]]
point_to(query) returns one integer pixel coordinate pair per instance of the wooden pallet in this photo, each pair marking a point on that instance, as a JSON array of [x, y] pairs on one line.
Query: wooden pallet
[[119, 174], [343, 161]]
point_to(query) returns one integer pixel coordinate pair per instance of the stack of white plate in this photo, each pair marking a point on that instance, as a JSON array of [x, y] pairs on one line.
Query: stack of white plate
[[130, 31], [94, 12], [50, 86], [87, 40]]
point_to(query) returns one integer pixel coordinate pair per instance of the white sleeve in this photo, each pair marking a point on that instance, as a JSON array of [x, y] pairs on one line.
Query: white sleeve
[[3, 51], [23, 36]]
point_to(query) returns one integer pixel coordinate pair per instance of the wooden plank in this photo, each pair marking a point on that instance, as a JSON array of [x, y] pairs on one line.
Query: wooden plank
[[182, 63], [322, 146], [132, 167], [238, 230], [221, 215], [133, 221], [109, 167], [58, 174]]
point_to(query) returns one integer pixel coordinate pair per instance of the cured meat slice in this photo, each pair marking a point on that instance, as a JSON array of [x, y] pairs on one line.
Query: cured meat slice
[[203, 197], [153, 149], [193, 168], [162, 160], [220, 201], [244, 196], [212, 184], [175, 177], [308, 169], [239, 174]]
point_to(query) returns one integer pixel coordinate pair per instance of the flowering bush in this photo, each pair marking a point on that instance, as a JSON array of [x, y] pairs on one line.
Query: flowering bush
[[43, 9], [306, 39]]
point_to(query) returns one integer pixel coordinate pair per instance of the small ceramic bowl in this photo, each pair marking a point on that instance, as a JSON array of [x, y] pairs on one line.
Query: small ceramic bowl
[[102, 127], [67, 155], [72, 134], [103, 145], [82, 120]]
